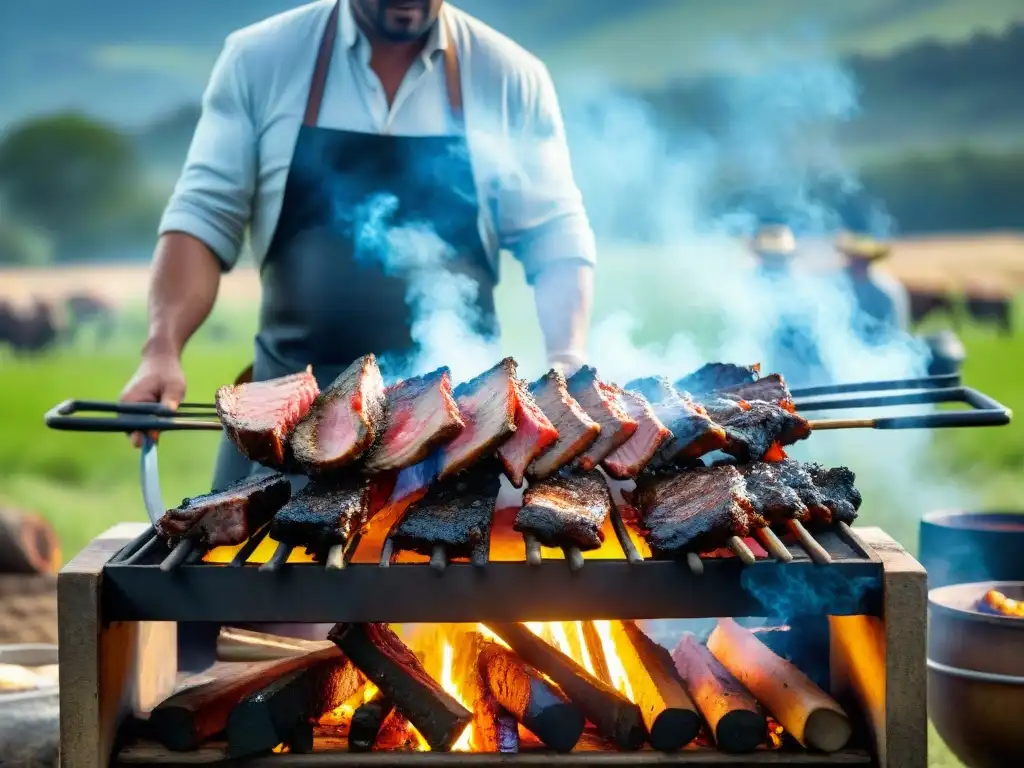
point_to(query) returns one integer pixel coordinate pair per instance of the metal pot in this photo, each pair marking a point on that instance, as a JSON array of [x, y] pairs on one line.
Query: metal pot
[[964, 547], [947, 353], [976, 675]]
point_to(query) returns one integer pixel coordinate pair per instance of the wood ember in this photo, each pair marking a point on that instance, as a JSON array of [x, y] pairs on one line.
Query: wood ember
[[395, 670], [367, 721]]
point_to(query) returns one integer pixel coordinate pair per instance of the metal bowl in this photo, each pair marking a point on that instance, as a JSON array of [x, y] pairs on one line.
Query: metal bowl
[[976, 674], [962, 547]]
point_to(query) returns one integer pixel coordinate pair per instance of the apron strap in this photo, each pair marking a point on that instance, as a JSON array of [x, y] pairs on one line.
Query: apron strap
[[452, 73]]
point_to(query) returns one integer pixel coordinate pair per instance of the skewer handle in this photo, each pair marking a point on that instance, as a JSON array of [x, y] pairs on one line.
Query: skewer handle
[[178, 555], [336, 557], [438, 558], [534, 556], [575, 558], [774, 545], [822, 424], [814, 550], [696, 564], [741, 550]]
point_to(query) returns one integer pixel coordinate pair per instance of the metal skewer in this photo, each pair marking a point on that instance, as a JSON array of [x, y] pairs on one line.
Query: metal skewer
[[178, 555]]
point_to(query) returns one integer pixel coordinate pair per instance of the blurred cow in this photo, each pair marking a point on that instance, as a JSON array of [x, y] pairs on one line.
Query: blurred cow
[[990, 302], [924, 301], [84, 309], [33, 332]]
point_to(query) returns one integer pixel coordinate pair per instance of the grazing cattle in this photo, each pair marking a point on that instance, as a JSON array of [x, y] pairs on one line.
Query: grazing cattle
[[924, 301], [35, 332], [990, 303], [86, 309]]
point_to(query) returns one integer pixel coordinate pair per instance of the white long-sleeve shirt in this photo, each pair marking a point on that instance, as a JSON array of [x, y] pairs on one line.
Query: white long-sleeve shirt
[[234, 176]]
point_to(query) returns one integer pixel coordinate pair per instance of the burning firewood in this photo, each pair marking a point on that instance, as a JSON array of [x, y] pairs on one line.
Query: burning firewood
[[732, 714], [532, 701], [615, 717], [494, 728], [669, 713], [595, 651], [276, 713], [191, 716], [809, 714], [367, 721], [387, 661]]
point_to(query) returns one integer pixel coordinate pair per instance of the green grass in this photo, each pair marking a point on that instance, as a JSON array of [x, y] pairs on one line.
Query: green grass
[[85, 483]]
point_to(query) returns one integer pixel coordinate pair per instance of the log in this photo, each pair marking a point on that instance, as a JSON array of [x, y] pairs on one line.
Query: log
[[809, 714], [191, 716], [28, 544], [235, 644], [495, 730], [669, 713], [387, 661], [539, 706], [615, 717], [277, 712], [367, 721], [396, 734], [595, 651], [732, 714]]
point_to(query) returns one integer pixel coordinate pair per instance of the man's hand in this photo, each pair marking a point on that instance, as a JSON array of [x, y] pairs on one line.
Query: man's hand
[[158, 379]]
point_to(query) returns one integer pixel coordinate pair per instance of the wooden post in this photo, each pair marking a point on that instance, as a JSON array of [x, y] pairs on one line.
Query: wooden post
[[881, 663], [106, 671]]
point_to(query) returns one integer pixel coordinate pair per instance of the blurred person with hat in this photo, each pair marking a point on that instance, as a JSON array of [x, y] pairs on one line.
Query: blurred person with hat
[[882, 301]]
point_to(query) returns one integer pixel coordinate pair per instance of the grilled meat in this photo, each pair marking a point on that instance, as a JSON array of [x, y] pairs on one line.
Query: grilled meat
[[629, 460], [715, 376], [413, 481], [772, 497], [693, 431], [456, 512], [840, 496], [752, 428], [696, 510], [323, 514], [600, 401], [488, 407], [421, 416], [566, 510], [576, 430], [770, 389], [534, 435], [259, 416], [227, 517], [344, 420]]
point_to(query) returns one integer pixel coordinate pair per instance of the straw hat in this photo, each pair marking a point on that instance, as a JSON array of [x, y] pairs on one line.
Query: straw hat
[[774, 238], [861, 247]]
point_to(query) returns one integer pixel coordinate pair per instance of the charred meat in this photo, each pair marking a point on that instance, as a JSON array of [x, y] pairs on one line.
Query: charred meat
[[696, 510], [629, 460], [456, 512], [716, 376], [421, 416], [841, 497], [601, 403], [566, 510], [323, 515], [228, 517], [576, 430], [534, 435], [693, 431], [259, 416], [488, 407], [770, 389], [772, 497], [344, 420], [752, 428]]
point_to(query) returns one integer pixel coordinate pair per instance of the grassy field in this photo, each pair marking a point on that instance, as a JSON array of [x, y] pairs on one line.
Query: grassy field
[[85, 483]]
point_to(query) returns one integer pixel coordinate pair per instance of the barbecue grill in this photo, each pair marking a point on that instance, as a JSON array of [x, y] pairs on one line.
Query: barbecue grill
[[120, 600]]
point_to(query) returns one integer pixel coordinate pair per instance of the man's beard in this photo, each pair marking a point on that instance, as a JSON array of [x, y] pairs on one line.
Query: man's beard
[[394, 30]]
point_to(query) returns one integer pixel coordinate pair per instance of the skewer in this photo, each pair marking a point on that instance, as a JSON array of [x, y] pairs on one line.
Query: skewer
[[696, 564], [242, 556], [336, 557], [821, 424], [741, 550], [534, 556], [574, 558], [136, 545], [628, 547], [773, 544], [479, 558], [814, 550], [386, 552], [178, 555], [439, 558], [279, 558], [151, 545]]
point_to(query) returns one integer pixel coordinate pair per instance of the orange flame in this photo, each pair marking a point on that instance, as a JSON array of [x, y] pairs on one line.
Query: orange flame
[[1001, 604]]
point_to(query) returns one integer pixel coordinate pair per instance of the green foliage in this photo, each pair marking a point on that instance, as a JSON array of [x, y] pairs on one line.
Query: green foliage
[[22, 246], [68, 175]]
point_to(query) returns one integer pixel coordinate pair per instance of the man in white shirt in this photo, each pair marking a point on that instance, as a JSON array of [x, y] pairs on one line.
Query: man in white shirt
[[346, 114]]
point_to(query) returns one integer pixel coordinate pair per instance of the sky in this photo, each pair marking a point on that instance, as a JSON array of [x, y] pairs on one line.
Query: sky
[[130, 61]]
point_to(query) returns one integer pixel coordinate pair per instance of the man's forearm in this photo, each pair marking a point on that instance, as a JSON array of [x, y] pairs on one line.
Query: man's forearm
[[182, 290], [564, 293]]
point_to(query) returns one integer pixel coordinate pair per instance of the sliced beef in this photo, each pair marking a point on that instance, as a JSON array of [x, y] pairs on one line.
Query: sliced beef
[[693, 431], [323, 514], [769, 493], [259, 416], [228, 517], [715, 376], [600, 401], [421, 416], [695, 510], [576, 430], [770, 389], [836, 486], [456, 512], [566, 510], [534, 435], [629, 460], [488, 406], [753, 428], [344, 421]]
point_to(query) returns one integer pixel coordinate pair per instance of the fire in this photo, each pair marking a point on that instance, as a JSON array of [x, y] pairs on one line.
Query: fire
[[997, 602], [448, 683], [775, 731], [558, 634], [342, 714], [260, 555], [618, 672]]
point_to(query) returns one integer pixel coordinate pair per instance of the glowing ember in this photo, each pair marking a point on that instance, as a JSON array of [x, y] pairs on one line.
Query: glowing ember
[[997, 602], [775, 732], [281, 749], [260, 555]]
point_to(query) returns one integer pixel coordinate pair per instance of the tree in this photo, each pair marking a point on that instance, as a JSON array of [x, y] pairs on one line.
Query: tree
[[67, 175]]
